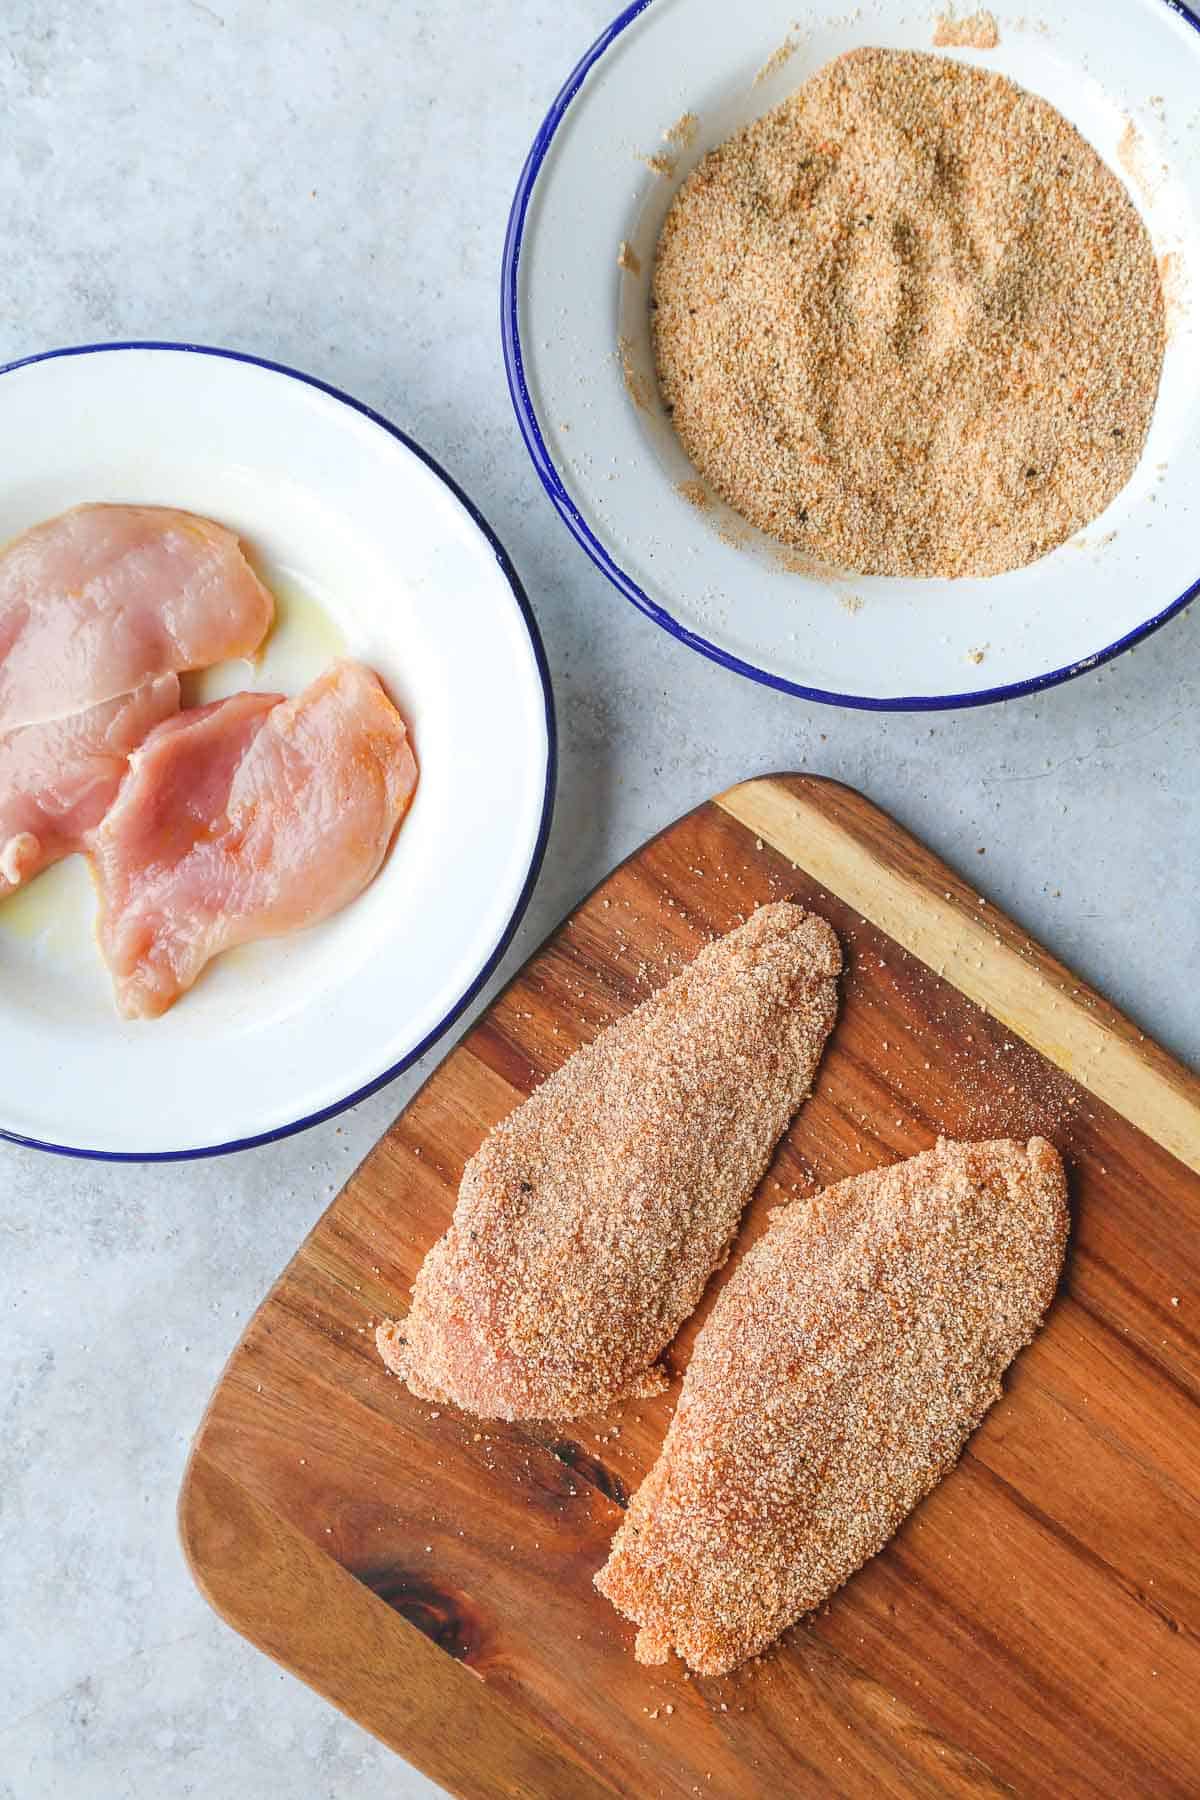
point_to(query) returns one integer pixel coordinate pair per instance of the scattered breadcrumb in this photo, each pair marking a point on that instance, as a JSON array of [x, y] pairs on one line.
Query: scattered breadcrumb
[[776, 60], [802, 562], [1172, 272], [978, 31], [683, 131], [909, 322], [628, 259], [976, 656], [851, 603], [696, 494], [635, 381], [660, 164], [1133, 158]]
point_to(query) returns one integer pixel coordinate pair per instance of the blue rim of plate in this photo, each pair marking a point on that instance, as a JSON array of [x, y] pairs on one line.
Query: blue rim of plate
[[581, 531], [543, 833]]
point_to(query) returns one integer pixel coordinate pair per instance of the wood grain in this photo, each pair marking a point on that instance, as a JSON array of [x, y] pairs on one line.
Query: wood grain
[[1034, 1626]]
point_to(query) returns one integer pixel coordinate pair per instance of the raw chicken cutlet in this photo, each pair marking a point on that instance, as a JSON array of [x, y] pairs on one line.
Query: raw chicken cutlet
[[58, 778], [842, 1370], [590, 1220], [100, 610], [246, 819]]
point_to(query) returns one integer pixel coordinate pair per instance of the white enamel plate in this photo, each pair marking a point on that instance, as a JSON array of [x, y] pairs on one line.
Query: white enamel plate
[[373, 552], [1126, 74]]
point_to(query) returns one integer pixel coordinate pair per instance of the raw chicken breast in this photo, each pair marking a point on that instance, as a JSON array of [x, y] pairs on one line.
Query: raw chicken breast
[[100, 609], [57, 778], [100, 600], [246, 819]]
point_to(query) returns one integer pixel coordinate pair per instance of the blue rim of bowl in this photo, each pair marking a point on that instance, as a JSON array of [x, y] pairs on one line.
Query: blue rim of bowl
[[518, 387], [543, 833]]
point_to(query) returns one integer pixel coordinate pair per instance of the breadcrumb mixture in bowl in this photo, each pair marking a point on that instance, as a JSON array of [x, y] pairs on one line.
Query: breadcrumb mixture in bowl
[[976, 363], [908, 321]]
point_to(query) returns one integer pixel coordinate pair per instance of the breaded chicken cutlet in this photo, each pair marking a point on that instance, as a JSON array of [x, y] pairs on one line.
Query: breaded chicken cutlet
[[590, 1220], [836, 1381]]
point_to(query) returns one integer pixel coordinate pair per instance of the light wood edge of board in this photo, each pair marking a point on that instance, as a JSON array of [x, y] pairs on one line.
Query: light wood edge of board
[[433, 1711], [961, 936]]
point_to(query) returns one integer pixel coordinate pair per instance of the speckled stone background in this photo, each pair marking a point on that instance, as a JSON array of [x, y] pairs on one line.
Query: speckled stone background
[[326, 182]]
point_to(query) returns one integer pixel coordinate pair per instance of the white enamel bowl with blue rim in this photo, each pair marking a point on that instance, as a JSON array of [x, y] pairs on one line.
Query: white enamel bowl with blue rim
[[1126, 74], [373, 552]]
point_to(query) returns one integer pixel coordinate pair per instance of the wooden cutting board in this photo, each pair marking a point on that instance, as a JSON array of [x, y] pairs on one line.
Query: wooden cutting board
[[1034, 1626]]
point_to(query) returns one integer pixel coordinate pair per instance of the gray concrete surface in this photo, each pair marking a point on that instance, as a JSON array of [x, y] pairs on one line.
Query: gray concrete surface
[[328, 184]]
